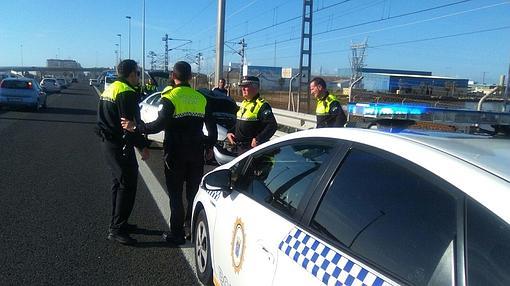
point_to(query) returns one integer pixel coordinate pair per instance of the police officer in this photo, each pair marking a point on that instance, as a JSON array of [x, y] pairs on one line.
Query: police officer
[[182, 114], [255, 123], [120, 100], [329, 111], [150, 87]]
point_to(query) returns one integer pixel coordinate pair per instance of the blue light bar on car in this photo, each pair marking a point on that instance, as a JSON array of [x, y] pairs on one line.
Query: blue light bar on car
[[428, 114], [388, 111]]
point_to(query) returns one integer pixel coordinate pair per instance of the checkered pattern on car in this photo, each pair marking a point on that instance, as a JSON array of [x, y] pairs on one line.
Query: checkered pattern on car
[[214, 194], [325, 263]]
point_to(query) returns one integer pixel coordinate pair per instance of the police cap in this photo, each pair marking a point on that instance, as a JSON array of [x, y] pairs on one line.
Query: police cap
[[249, 80]]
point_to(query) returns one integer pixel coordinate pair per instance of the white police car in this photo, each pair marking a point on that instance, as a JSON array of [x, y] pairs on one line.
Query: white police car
[[358, 207]]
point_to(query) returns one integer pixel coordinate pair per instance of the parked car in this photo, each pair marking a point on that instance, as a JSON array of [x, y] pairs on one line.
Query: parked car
[[93, 82], [62, 82], [50, 85], [350, 206], [22, 92], [109, 80]]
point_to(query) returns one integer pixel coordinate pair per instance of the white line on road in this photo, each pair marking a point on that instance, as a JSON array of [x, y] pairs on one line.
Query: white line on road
[[162, 201]]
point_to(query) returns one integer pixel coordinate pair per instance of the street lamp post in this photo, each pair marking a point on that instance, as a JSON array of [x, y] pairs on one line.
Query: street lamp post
[[129, 37], [120, 46], [116, 54], [21, 47], [143, 46]]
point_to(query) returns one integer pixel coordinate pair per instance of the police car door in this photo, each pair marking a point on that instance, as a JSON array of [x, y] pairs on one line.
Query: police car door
[[270, 188]]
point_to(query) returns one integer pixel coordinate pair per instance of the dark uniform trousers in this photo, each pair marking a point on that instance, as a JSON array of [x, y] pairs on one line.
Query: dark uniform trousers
[[183, 165], [124, 171]]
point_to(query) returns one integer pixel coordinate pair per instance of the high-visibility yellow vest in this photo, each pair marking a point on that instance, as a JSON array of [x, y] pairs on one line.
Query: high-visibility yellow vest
[[324, 104], [111, 92], [167, 89], [187, 102], [150, 87], [249, 110]]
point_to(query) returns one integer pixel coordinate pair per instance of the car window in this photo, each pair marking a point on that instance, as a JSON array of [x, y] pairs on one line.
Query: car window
[[16, 84], [488, 247], [155, 99], [391, 216], [281, 176]]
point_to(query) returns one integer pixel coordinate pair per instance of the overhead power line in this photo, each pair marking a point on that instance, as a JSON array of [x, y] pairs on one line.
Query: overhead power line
[[394, 17], [423, 40], [288, 20]]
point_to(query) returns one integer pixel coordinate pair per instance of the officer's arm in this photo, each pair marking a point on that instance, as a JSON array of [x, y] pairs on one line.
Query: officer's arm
[[166, 109], [212, 129], [269, 125], [128, 108], [338, 116]]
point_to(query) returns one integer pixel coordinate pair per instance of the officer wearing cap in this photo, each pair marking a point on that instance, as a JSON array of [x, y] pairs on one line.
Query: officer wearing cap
[[120, 100], [329, 111], [255, 123], [182, 114]]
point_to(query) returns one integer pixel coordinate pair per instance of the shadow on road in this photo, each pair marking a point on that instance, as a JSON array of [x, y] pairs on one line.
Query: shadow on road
[[48, 120], [71, 111], [159, 244], [147, 231]]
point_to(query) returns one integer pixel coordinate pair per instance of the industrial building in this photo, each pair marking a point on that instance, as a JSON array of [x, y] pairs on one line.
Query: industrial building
[[412, 82], [56, 63]]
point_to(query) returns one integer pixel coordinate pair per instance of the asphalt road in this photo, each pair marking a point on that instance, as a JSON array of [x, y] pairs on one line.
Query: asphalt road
[[55, 205]]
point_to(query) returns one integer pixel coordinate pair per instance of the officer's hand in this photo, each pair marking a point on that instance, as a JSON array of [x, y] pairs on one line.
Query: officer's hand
[[127, 124], [145, 154], [253, 143], [231, 138]]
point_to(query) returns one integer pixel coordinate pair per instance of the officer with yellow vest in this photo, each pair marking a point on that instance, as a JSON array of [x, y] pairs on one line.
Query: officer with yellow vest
[[182, 114], [329, 111], [150, 87], [118, 101], [255, 123]]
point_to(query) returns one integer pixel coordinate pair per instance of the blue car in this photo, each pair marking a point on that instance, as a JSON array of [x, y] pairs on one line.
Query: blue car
[[22, 92]]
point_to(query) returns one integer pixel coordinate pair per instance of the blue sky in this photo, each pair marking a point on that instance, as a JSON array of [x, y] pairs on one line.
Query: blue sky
[[85, 30]]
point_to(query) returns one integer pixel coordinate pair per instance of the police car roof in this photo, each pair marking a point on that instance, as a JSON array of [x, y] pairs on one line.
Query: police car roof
[[486, 152], [477, 165]]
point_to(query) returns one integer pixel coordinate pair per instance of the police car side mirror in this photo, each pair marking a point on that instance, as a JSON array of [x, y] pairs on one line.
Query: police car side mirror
[[220, 180]]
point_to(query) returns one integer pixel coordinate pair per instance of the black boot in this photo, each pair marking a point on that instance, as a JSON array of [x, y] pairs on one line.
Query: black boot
[[173, 239], [121, 237]]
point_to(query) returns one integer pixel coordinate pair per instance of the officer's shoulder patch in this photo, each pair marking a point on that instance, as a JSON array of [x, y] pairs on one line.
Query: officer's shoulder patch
[[267, 112]]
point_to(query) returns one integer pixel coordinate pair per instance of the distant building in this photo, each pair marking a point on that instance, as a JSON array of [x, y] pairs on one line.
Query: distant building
[[411, 82], [56, 63]]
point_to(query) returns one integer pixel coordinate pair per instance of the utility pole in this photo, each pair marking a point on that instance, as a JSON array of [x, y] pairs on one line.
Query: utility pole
[[242, 53], [116, 55], [120, 46], [305, 58], [220, 41], [21, 47], [165, 39], [507, 91], [357, 62], [198, 62], [143, 47], [129, 36], [152, 55]]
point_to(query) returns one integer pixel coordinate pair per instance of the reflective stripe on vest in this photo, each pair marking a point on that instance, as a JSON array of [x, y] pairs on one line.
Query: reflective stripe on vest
[[249, 110], [111, 92], [324, 104], [187, 102]]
